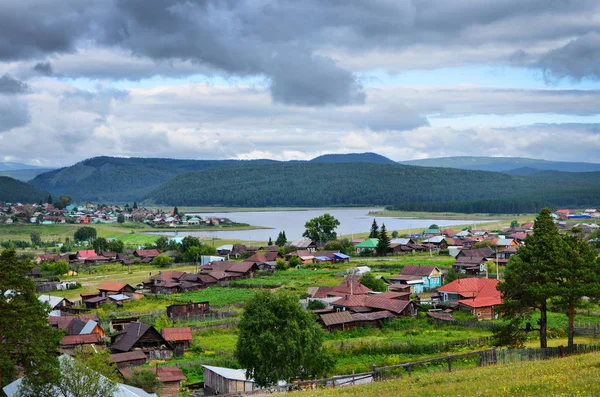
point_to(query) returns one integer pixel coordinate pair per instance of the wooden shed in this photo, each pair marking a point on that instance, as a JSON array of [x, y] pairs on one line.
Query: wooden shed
[[187, 309], [219, 380]]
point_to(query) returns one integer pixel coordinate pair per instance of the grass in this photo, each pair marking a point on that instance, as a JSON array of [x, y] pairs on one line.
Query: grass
[[217, 296], [571, 376]]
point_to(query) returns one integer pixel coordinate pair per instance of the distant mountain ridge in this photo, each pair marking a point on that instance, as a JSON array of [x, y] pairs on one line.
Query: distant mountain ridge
[[503, 164], [13, 191], [368, 157], [10, 166]]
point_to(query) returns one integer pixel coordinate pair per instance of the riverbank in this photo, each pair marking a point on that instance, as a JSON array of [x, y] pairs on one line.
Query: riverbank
[[451, 215]]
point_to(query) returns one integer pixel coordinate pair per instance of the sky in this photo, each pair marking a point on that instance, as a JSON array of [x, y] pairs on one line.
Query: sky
[[291, 80]]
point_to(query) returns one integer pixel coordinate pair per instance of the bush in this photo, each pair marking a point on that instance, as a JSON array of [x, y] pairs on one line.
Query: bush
[[75, 286], [368, 280], [162, 260], [281, 264], [146, 380], [316, 305], [294, 262]]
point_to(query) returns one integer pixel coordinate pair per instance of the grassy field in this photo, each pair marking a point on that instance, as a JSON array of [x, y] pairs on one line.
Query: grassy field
[[454, 215], [571, 376]]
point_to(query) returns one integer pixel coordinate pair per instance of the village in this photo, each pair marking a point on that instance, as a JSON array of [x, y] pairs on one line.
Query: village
[[432, 292]]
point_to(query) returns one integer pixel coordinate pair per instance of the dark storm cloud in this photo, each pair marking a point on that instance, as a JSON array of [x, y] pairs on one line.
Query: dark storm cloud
[[577, 59], [44, 68], [10, 85], [291, 42]]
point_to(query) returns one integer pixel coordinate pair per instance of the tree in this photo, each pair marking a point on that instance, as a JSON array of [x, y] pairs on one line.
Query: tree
[[57, 268], [190, 241], [370, 281], [162, 243], [100, 244], [529, 277], [281, 264], [484, 243], [278, 340], [115, 246], [36, 239], [135, 206], [120, 218], [321, 228], [63, 202], [270, 242], [579, 277], [28, 339], [395, 234], [383, 245], [98, 360], [49, 201], [374, 230], [434, 226], [76, 379], [514, 224], [451, 276], [281, 239], [85, 233], [144, 379], [175, 211], [193, 254], [294, 262], [162, 260]]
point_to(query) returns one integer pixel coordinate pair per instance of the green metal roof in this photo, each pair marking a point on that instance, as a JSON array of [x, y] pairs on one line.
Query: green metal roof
[[369, 243]]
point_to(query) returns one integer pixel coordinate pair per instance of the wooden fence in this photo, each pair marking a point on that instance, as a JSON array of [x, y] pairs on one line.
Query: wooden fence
[[409, 348], [229, 324]]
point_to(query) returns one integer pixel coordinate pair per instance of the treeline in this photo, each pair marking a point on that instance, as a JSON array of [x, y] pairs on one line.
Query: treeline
[[113, 179], [14, 191], [518, 205], [311, 185]]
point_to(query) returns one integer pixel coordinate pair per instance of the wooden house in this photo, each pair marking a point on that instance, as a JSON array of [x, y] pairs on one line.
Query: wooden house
[[114, 288], [129, 359], [144, 337], [180, 337], [185, 310], [477, 295], [72, 341], [169, 377], [219, 380]]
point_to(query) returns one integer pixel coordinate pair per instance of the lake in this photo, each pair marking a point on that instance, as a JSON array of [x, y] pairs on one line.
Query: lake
[[292, 222]]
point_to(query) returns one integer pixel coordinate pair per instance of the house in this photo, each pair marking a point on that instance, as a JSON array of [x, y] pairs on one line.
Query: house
[[186, 310], [431, 232], [64, 322], [129, 359], [72, 341], [419, 277], [180, 337], [305, 244], [373, 303], [439, 242], [121, 390], [144, 337], [369, 245], [58, 305], [337, 321], [114, 288], [264, 257], [504, 243], [146, 254], [477, 295], [219, 380], [170, 377]]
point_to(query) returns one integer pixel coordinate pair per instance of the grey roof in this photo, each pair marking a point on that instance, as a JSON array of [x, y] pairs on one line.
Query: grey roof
[[504, 241], [131, 334], [229, 373], [401, 241], [53, 301], [301, 243], [89, 327], [434, 239], [119, 297]]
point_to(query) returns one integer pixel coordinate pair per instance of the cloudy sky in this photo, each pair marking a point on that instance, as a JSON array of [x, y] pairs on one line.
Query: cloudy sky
[[213, 79]]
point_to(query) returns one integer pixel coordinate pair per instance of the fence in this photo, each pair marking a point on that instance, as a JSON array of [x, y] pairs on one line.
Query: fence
[[230, 324], [255, 286], [465, 323]]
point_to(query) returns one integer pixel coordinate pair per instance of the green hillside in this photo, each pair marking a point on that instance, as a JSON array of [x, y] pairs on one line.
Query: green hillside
[[353, 158], [113, 179], [502, 164], [24, 175], [14, 191], [333, 184]]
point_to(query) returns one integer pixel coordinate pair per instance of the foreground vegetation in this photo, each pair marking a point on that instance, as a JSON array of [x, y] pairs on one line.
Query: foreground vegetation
[[571, 376]]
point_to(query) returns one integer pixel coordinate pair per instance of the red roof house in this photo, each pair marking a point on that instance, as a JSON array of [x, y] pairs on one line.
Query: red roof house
[[478, 295]]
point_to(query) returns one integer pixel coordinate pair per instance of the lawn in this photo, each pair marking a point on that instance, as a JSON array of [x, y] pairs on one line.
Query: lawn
[[571, 376]]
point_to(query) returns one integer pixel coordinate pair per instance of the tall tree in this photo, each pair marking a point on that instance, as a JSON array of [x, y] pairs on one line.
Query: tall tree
[[49, 201], [281, 240], [36, 239], [115, 246], [374, 230], [270, 242], [175, 211], [26, 336], [85, 233], [579, 277], [100, 244], [530, 275], [278, 340], [120, 218], [135, 205], [321, 228], [383, 245]]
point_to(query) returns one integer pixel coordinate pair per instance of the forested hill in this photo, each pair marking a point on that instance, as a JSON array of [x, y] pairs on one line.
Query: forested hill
[[14, 191], [353, 158], [502, 164], [115, 179], [335, 184]]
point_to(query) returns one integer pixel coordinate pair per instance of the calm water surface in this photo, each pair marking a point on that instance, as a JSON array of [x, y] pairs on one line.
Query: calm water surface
[[351, 221]]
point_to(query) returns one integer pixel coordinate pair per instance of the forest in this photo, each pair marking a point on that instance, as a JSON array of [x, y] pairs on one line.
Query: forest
[[12, 190]]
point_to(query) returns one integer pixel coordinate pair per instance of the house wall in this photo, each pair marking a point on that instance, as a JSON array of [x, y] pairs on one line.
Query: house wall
[[170, 389], [484, 313]]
